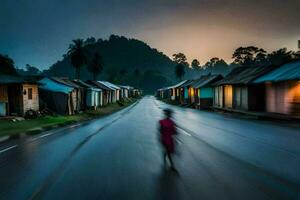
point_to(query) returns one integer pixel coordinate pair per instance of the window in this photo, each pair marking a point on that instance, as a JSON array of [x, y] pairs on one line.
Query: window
[[29, 93]]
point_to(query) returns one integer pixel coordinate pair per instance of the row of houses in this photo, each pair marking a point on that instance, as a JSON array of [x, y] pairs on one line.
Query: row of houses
[[269, 89], [60, 95]]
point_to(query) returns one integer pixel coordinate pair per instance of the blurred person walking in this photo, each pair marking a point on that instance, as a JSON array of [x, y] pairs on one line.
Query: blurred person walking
[[167, 128]]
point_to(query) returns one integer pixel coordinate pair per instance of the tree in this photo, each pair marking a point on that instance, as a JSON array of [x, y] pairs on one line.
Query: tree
[[214, 62], [180, 71], [216, 66], [249, 56], [136, 74], [7, 65], [96, 65], [280, 56], [89, 41], [77, 56], [180, 58], [123, 71], [195, 64], [31, 70]]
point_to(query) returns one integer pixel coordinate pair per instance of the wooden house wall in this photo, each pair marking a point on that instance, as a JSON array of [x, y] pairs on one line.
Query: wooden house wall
[[283, 97], [218, 96], [3, 93], [15, 99], [30, 104], [240, 97], [74, 100], [90, 98]]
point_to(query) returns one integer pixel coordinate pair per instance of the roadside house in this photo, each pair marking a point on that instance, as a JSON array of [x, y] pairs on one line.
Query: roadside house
[[187, 92], [204, 91], [77, 93], [237, 91], [106, 91], [18, 95], [116, 90], [282, 89], [56, 96], [175, 90], [125, 91], [91, 94]]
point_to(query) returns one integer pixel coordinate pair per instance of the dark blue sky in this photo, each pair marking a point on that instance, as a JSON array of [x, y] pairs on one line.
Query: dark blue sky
[[38, 32]]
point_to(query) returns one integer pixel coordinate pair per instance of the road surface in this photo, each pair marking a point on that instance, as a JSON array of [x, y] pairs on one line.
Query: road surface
[[118, 157]]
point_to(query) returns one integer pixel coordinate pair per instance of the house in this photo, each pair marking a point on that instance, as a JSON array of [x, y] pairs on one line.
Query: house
[[56, 96], [92, 95], [18, 95], [106, 91], [282, 93], [125, 91], [175, 90], [77, 93], [186, 95], [237, 91], [137, 92], [116, 90], [204, 91]]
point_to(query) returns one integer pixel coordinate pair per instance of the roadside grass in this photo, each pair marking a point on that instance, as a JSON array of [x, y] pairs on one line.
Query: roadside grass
[[35, 126]]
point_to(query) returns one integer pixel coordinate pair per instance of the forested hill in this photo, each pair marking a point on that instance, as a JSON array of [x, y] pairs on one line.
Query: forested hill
[[126, 61]]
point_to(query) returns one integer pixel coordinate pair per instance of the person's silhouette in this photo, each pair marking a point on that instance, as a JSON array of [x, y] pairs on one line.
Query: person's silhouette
[[167, 131]]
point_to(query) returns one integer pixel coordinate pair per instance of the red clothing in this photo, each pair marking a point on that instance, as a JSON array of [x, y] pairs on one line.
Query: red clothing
[[167, 130]]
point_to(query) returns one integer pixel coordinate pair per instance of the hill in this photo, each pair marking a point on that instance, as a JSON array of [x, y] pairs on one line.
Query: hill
[[126, 61]]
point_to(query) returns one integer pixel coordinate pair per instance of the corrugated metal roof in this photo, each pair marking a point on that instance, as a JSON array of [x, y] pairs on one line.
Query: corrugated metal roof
[[51, 85], [126, 87], [108, 84], [65, 81], [178, 84], [244, 75], [98, 85], [85, 85], [188, 83], [206, 80], [289, 71], [7, 79]]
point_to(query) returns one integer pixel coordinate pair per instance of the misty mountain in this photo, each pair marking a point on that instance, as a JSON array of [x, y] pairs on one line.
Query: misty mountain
[[132, 62], [126, 61]]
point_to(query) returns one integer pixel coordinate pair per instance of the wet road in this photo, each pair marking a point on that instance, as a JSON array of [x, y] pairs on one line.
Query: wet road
[[119, 157]]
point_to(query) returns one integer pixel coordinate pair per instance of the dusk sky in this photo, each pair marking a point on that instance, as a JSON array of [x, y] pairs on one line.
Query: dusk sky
[[38, 32]]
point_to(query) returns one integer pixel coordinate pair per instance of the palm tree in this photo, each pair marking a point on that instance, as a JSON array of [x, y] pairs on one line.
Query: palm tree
[[77, 55], [96, 65]]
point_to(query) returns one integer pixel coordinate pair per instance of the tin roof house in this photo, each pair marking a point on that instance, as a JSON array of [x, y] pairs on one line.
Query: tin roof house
[[91, 94], [237, 91], [282, 93], [204, 91], [77, 93], [18, 95], [56, 96], [106, 91]]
